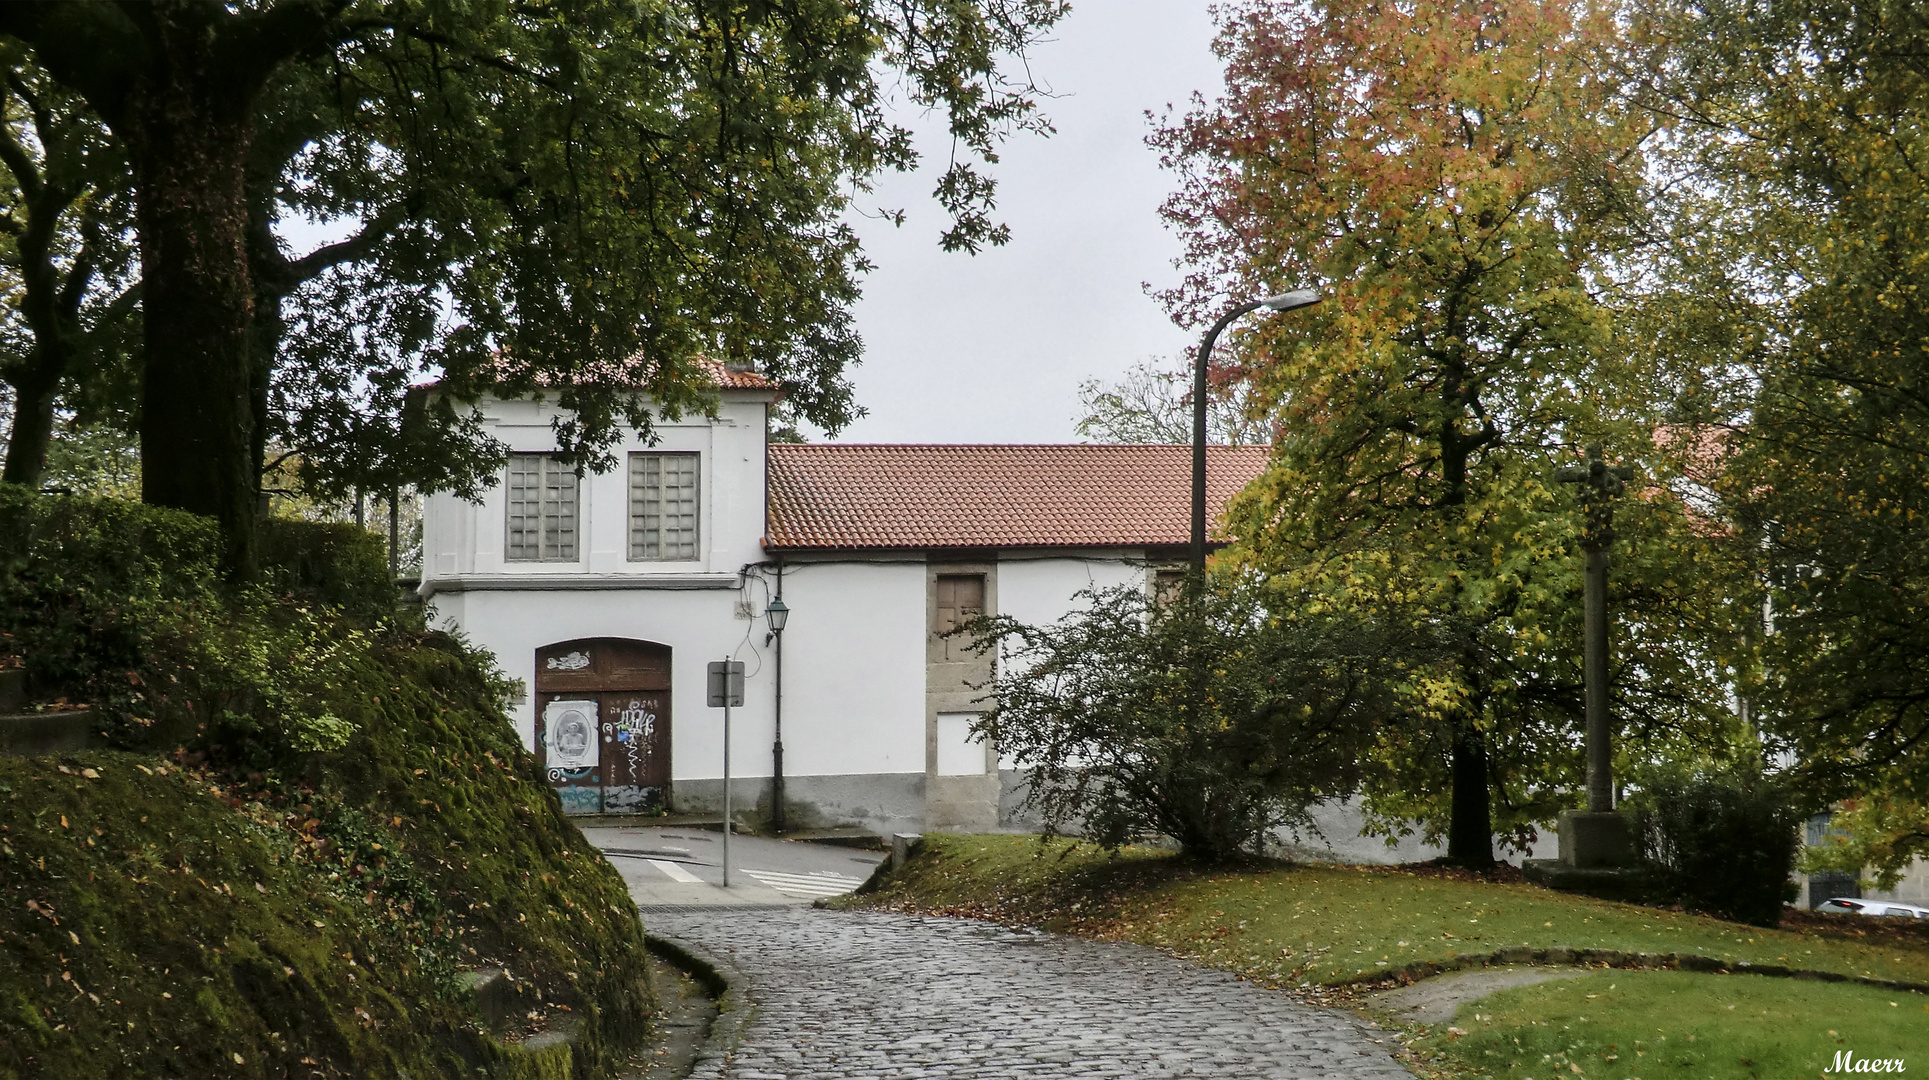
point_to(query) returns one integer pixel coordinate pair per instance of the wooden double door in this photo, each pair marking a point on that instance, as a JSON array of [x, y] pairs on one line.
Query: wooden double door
[[603, 724]]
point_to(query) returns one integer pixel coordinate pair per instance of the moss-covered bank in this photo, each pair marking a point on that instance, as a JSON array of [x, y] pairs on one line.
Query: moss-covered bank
[[297, 884]]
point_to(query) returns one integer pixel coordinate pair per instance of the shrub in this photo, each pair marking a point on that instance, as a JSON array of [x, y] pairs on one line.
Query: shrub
[[84, 581], [1722, 844], [120, 604], [351, 819], [340, 565], [1212, 721]]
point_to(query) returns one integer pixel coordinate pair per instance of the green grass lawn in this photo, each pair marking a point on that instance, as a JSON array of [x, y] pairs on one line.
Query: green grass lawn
[[1662, 1024], [1328, 926], [1332, 924]]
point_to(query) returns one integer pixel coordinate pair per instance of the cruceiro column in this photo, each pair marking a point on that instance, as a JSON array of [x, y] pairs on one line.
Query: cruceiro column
[[1597, 836]]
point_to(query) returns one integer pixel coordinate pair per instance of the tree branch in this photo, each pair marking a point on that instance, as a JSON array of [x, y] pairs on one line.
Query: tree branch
[[352, 249], [252, 44], [94, 48]]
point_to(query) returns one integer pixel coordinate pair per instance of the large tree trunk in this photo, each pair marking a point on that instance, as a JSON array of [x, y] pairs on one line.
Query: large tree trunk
[[1470, 828], [33, 429], [192, 131], [1470, 821]]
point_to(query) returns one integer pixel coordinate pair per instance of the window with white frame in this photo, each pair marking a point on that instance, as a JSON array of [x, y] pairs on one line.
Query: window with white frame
[[663, 507], [542, 509]]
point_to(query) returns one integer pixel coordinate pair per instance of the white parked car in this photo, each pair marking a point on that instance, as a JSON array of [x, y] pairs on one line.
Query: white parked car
[[1842, 905]]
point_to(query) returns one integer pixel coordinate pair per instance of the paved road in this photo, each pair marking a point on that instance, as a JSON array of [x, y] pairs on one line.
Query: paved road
[[683, 866], [867, 996]]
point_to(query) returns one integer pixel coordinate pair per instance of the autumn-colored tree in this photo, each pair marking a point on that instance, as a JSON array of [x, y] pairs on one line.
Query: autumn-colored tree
[[1461, 180], [1805, 132]]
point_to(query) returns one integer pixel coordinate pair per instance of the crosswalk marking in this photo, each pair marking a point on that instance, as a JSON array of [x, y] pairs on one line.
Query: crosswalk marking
[[673, 871], [823, 883]]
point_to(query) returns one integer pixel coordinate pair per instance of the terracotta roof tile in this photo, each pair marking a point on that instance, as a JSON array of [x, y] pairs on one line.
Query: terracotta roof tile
[[727, 377], [849, 497], [720, 375]]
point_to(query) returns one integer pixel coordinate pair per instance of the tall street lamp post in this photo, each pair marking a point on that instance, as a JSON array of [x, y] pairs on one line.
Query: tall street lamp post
[[778, 613], [1288, 301]]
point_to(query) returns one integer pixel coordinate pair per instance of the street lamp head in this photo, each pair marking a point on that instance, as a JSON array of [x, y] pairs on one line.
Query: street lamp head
[[778, 613], [1287, 301]]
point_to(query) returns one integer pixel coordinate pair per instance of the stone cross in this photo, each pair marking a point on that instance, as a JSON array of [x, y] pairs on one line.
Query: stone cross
[[1598, 484]]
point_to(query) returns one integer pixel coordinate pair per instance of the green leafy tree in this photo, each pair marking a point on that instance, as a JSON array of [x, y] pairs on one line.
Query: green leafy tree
[[1804, 128], [1211, 719], [1463, 185], [70, 314], [616, 188]]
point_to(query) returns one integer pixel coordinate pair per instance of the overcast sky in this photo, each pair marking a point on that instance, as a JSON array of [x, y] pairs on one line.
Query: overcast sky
[[992, 347]]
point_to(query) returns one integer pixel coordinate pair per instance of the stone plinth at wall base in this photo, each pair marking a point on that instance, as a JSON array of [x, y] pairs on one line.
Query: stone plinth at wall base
[[903, 846], [41, 734], [1606, 882], [13, 689], [1592, 839]]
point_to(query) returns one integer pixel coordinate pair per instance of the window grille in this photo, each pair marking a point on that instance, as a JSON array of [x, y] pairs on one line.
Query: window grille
[[542, 509], [663, 507]]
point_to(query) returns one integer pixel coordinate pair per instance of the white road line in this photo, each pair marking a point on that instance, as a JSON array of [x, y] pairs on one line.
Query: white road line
[[674, 872], [818, 884]]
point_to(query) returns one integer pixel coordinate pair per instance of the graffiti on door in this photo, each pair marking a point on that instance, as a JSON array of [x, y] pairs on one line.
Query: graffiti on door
[[631, 736], [604, 733]]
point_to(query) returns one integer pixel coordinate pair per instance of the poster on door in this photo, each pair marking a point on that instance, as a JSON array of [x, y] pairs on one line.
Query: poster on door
[[570, 734]]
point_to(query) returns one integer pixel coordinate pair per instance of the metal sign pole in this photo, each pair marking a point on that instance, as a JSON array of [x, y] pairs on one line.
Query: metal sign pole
[[726, 692]]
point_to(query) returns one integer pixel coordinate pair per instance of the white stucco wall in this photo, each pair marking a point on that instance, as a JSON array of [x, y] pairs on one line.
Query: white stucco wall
[[854, 666], [508, 608], [462, 538], [700, 625], [853, 661], [1041, 589]]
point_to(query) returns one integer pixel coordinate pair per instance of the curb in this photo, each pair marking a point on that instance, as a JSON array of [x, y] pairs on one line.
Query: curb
[[725, 981], [1612, 958]]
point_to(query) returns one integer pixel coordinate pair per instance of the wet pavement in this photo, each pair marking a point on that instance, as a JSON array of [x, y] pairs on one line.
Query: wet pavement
[[669, 866], [879, 996]]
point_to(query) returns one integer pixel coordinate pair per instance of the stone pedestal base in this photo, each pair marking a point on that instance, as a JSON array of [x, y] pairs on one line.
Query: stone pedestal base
[[1599, 857], [1597, 840], [1629, 883]]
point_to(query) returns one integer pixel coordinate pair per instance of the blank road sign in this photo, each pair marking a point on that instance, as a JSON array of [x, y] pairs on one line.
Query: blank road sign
[[726, 684]]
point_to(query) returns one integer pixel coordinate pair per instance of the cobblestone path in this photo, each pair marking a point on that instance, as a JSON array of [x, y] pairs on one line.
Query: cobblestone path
[[845, 995]]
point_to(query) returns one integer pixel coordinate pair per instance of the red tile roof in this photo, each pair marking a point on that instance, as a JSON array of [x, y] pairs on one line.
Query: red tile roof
[[727, 377], [847, 497], [720, 375]]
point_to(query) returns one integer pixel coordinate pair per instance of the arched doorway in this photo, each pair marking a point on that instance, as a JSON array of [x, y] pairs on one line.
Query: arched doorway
[[603, 724]]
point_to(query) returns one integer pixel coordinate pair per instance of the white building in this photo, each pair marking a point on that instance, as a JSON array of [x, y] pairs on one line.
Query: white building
[[609, 595]]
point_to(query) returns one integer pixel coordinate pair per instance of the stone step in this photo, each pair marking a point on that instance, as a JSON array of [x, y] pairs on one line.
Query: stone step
[[13, 689], [40, 734], [499, 997]]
